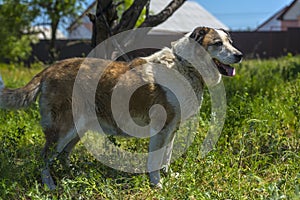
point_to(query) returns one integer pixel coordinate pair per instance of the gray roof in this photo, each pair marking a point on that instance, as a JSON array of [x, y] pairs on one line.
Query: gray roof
[[186, 18]]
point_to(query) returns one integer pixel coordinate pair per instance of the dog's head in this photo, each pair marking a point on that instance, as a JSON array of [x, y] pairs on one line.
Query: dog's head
[[218, 44]]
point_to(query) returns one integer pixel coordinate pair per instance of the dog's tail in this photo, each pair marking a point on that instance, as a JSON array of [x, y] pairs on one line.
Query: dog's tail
[[20, 97]]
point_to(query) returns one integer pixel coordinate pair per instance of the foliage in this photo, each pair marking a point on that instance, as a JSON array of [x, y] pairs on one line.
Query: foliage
[[56, 13], [257, 156], [15, 19]]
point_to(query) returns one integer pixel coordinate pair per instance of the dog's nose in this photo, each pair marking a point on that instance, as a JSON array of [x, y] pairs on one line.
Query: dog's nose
[[238, 56]]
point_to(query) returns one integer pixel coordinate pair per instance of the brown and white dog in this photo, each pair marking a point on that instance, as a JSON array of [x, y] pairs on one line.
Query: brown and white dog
[[54, 85]]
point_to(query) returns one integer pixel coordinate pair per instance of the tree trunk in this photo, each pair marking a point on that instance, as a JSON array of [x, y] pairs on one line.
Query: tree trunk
[[106, 24], [52, 48], [103, 21]]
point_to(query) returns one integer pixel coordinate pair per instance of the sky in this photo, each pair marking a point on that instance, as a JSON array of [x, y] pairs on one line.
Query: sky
[[243, 14]]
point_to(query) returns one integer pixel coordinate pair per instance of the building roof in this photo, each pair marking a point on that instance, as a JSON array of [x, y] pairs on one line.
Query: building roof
[[274, 23], [185, 19], [271, 19], [78, 20], [287, 9]]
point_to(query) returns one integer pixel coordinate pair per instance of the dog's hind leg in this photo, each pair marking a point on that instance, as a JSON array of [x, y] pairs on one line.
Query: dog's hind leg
[[48, 157], [55, 148], [65, 154], [1, 84]]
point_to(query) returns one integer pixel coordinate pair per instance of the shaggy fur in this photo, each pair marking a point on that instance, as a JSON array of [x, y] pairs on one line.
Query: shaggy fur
[[54, 85]]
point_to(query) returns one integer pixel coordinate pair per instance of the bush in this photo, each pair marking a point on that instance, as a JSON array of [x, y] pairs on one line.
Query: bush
[[15, 19]]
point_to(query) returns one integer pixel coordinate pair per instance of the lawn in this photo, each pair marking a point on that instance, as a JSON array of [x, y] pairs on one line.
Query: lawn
[[257, 155]]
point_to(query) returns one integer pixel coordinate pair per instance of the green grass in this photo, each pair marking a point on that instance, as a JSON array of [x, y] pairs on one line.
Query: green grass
[[257, 155]]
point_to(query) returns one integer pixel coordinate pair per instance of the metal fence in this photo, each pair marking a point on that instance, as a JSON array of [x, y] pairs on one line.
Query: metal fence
[[252, 44], [268, 44]]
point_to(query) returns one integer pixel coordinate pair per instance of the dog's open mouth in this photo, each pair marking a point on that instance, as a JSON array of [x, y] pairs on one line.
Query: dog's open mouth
[[225, 70]]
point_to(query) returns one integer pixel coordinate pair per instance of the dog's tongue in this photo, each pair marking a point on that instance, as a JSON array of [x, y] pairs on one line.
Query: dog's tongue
[[230, 71], [225, 70]]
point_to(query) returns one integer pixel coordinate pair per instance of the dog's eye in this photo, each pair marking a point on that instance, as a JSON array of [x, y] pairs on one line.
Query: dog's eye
[[219, 43]]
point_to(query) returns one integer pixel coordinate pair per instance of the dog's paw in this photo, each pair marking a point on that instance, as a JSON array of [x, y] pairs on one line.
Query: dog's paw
[[47, 179], [168, 172], [156, 186], [175, 174]]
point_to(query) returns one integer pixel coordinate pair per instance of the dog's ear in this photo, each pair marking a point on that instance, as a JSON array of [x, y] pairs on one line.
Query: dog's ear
[[227, 33], [222, 29], [199, 33]]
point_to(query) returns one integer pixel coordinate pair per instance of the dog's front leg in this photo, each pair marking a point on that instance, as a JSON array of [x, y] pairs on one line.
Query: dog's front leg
[[167, 156], [155, 160], [160, 148]]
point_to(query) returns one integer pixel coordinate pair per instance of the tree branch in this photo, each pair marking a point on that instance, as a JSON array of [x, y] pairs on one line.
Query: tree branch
[[147, 9], [130, 16], [154, 20]]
